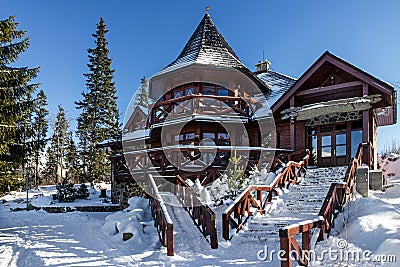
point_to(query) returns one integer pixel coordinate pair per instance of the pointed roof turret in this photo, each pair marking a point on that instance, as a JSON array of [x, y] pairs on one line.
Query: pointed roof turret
[[205, 46]]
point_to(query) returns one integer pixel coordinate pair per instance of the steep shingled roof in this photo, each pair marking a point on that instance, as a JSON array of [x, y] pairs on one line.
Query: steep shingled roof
[[206, 46]]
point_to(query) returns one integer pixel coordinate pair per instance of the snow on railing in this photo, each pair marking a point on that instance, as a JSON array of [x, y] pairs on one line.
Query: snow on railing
[[241, 208], [162, 219], [338, 195], [201, 214]]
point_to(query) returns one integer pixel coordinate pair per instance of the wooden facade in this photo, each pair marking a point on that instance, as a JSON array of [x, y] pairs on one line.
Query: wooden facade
[[331, 109]]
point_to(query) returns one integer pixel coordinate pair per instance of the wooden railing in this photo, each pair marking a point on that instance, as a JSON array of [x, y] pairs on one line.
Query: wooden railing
[[338, 195], [199, 104], [285, 157], [162, 220], [237, 214], [201, 214]]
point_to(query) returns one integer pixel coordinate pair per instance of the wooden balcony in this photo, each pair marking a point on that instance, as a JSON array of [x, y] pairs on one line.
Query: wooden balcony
[[198, 105]]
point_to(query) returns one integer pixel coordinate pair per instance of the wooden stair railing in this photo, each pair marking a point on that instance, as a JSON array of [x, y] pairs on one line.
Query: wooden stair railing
[[162, 219], [338, 195], [201, 214], [237, 214]]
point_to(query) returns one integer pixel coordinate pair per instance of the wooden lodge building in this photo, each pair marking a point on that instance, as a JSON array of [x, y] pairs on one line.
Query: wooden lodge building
[[331, 109]]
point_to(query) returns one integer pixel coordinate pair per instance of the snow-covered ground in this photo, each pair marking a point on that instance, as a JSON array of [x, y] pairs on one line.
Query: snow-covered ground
[[367, 233], [43, 197], [36, 238]]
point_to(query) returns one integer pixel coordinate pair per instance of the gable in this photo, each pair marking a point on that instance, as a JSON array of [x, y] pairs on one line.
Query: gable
[[332, 78], [137, 120]]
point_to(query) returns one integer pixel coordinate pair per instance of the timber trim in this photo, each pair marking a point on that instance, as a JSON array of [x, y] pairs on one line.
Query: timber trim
[[326, 89], [353, 70]]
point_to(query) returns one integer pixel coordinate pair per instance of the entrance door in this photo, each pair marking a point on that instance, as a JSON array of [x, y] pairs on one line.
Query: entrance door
[[340, 149], [326, 146], [335, 144]]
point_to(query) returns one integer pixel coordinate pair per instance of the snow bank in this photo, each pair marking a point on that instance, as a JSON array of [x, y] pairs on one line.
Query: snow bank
[[137, 220], [368, 228]]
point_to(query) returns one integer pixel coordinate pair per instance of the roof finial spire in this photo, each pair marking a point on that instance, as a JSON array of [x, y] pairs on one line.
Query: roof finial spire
[[207, 8]]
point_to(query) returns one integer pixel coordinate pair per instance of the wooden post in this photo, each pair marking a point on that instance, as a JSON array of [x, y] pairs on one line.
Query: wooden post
[[305, 246], [292, 126], [365, 115], [213, 232], [366, 154], [170, 239], [286, 260], [225, 226]]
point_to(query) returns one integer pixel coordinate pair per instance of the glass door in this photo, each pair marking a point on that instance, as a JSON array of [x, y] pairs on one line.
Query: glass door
[[325, 140], [340, 151]]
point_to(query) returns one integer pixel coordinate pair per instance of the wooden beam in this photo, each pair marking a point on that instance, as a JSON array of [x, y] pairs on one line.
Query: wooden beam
[[329, 88], [362, 75], [366, 124], [292, 126], [299, 82]]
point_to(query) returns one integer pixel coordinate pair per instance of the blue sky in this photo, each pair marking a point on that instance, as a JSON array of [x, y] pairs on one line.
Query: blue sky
[[145, 36]]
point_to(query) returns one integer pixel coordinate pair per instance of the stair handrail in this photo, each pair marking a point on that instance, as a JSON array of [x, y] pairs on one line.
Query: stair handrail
[[338, 195], [242, 205], [202, 215], [162, 219]]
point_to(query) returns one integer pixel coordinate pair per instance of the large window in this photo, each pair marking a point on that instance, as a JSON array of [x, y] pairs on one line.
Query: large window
[[211, 89], [326, 146], [356, 139], [220, 138], [341, 144], [312, 143], [184, 138], [334, 144]]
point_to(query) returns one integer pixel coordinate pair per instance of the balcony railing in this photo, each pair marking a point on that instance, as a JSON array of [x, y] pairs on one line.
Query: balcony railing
[[199, 105]]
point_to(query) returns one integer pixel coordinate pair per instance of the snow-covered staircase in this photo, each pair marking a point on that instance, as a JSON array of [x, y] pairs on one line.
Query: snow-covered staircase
[[187, 238], [301, 202]]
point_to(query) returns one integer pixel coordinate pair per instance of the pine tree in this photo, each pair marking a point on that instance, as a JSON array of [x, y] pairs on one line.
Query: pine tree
[[39, 127], [49, 171], [99, 118], [59, 142], [16, 102], [72, 161], [142, 97]]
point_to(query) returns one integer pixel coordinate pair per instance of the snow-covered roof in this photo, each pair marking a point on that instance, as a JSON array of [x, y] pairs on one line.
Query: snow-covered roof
[[131, 109], [205, 46], [136, 135], [278, 83], [144, 110]]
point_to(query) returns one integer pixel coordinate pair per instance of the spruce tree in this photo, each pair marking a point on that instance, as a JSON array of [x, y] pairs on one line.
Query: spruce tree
[[142, 97], [99, 118], [72, 161], [16, 102], [49, 172], [39, 127], [59, 143]]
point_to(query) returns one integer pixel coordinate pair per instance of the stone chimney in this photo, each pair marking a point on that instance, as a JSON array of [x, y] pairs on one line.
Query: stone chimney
[[262, 66]]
